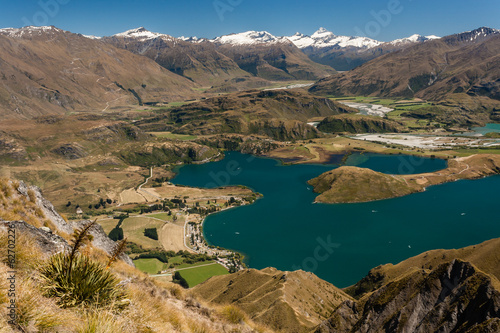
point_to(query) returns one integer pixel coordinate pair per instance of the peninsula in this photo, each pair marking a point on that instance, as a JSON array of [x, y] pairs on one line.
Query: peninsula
[[349, 184]]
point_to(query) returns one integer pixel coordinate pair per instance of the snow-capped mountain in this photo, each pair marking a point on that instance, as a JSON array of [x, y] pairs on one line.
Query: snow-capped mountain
[[30, 31], [478, 33], [192, 39], [92, 37], [249, 38], [324, 38], [416, 38], [142, 34]]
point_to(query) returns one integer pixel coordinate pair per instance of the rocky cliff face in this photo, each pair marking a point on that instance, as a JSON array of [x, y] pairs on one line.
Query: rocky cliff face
[[454, 297]]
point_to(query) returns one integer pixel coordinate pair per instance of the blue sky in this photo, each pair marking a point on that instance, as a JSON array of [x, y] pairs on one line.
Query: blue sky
[[379, 19]]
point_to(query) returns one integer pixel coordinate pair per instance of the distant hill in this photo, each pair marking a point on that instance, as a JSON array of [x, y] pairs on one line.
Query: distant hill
[[279, 114], [349, 184], [46, 70]]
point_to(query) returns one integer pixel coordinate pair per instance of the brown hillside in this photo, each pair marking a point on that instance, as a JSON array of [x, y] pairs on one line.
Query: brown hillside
[[280, 114], [286, 301], [484, 256], [46, 70], [200, 62], [352, 184], [357, 123]]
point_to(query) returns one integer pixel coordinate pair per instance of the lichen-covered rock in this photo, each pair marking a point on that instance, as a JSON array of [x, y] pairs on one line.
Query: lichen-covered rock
[[48, 242], [46, 206]]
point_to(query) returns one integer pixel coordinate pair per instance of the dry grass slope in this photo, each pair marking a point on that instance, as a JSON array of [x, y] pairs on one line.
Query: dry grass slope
[[286, 301]]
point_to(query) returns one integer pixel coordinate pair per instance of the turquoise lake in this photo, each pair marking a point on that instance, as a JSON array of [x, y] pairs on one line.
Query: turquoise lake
[[491, 127], [342, 242]]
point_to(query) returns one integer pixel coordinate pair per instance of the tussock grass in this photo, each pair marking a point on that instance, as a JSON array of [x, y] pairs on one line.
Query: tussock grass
[[233, 314], [28, 255], [102, 321], [35, 313], [89, 283]]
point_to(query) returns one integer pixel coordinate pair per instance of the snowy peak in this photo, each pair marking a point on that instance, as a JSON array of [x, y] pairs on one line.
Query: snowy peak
[[416, 38], [91, 37], [474, 36], [30, 31], [323, 34], [249, 38], [142, 34], [193, 39], [324, 38], [480, 32]]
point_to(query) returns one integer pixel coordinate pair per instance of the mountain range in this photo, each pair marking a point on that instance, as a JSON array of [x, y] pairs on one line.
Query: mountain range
[[324, 47], [459, 66], [46, 70]]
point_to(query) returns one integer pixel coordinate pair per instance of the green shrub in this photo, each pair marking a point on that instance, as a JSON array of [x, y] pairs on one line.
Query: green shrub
[[151, 233], [89, 283], [180, 280], [116, 234]]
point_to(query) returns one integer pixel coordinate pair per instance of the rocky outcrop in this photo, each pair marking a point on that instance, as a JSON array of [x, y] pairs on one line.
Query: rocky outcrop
[[247, 144], [279, 114], [455, 297], [46, 206], [11, 149], [358, 124], [283, 130], [115, 132], [167, 153], [48, 242], [71, 151]]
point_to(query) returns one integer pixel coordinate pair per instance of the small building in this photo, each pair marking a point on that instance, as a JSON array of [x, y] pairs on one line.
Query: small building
[[79, 211]]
